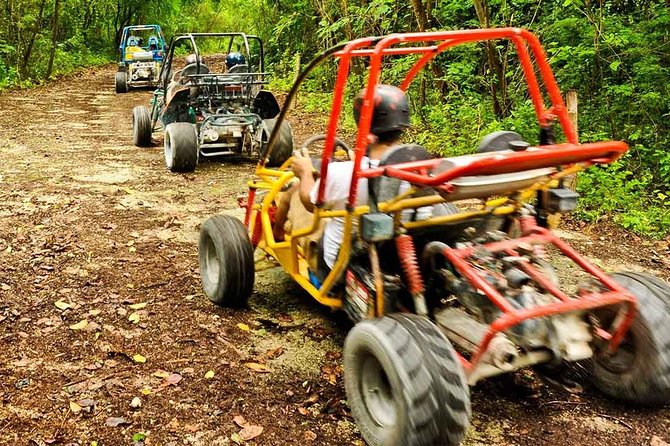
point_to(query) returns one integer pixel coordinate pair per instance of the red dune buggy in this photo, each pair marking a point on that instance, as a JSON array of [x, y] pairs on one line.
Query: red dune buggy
[[468, 293]]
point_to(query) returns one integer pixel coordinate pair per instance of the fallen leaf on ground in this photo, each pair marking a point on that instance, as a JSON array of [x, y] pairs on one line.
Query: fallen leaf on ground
[[209, 374], [657, 441], [173, 379], [161, 374], [274, 352], [115, 421], [62, 305], [138, 306], [79, 325], [139, 358], [236, 438], [250, 432], [95, 312], [146, 391], [310, 436], [134, 318], [256, 367], [74, 407], [240, 421], [303, 411], [136, 403], [140, 436], [244, 327]]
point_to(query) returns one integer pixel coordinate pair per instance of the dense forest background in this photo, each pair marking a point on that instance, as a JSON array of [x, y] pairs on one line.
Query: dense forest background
[[614, 53]]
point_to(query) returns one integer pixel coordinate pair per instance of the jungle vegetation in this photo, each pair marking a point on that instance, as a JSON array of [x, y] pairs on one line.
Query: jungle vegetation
[[614, 53]]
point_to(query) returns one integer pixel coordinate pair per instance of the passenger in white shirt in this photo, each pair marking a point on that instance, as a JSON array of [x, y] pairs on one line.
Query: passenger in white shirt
[[390, 119]]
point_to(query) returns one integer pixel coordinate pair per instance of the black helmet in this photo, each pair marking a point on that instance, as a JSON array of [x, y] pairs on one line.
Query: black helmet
[[391, 109], [234, 58]]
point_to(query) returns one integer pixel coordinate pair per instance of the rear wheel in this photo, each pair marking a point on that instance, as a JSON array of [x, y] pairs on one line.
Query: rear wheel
[[226, 261], [141, 126], [404, 383], [121, 81], [639, 371], [181, 147], [283, 148]]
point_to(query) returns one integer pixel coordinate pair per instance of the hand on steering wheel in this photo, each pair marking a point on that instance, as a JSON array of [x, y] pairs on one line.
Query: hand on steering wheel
[[316, 138]]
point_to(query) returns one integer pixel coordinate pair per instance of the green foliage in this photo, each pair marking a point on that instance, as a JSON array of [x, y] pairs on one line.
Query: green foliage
[[615, 53]]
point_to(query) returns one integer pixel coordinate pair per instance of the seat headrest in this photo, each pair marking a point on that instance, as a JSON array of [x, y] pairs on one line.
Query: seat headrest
[[386, 188]]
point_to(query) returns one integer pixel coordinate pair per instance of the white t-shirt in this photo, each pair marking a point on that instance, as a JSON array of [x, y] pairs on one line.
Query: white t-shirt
[[336, 195]]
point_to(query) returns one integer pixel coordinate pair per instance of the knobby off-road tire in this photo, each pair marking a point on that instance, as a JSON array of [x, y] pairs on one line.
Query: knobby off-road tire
[[283, 149], [404, 383], [121, 82], [639, 371], [141, 126], [181, 147], [226, 261]]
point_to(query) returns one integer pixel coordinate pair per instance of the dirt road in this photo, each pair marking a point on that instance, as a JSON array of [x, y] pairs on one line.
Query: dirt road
[[101, 306]]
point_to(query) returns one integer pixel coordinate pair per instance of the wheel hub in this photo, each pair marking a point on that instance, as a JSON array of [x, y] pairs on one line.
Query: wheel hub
[[377, 393], [212, 263]]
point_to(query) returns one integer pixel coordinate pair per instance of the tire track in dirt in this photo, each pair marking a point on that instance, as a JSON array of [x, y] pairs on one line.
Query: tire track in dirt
[[90, 220]]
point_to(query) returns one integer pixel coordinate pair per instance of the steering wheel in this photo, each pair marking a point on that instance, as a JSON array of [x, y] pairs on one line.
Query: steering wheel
[[338, 143]]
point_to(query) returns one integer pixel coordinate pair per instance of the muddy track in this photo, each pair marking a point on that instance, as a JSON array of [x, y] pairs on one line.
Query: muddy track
[[101, 227]]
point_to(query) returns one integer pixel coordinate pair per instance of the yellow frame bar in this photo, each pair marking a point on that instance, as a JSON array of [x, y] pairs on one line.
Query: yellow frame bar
[[291, 258]]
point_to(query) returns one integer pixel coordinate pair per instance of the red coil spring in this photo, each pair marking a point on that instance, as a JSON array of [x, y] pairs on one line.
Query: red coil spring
[[258, 227], [527, 224], [258, 231], [407, 255]]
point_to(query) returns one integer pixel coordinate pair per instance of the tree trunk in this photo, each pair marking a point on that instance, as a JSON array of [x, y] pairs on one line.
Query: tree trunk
[[501, 104], [423, 20], [54, 38], [572, 106], [23, 64]]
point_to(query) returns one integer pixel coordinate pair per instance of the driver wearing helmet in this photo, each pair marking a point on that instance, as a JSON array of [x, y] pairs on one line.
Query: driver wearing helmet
[[153, 43], [389, 120], [233, 59]]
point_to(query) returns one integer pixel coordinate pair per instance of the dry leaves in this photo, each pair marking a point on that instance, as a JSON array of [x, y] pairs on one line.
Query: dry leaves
[[138, 306], [274, 353], [249, 431], [79, 325], [139, 359], [209, 374], [116, 421], [657, 441], [257, 367], [243, 327], [62, 305]]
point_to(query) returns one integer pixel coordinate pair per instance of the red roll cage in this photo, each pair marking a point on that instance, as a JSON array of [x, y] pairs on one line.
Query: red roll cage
[[429, 45]]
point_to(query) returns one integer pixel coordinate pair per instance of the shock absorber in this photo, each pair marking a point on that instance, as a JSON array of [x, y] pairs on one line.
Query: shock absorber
[[258, 230], [258, 226], [408, 261]]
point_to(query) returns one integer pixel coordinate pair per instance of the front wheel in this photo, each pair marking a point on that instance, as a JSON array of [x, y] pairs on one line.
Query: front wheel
[[141, 126], [180, 147], [121, 82], [226, 261], [404, 383], [639, 371]]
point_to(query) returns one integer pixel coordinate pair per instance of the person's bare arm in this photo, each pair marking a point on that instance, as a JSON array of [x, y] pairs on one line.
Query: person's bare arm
[[302, 168]]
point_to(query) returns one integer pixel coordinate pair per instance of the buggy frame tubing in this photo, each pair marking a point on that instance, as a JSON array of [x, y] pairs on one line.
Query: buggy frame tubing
[[616, 294], [191, 38], [568, 154]]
